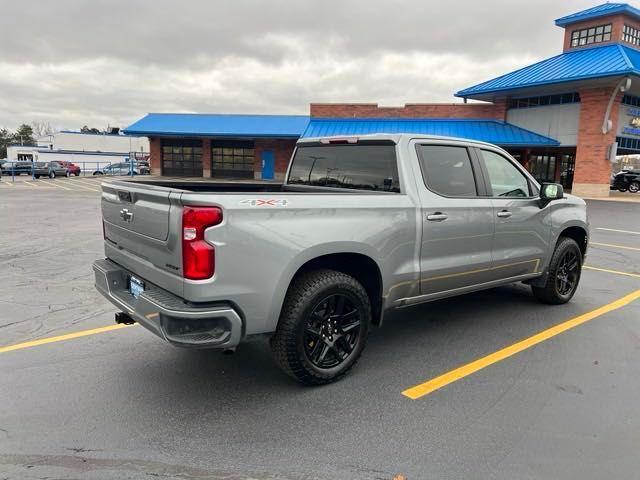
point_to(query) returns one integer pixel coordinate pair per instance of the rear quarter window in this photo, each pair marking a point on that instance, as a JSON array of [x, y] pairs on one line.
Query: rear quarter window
[[355, 167]]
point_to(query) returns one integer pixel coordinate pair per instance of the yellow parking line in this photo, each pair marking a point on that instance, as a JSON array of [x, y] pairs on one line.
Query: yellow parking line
[[617, 272], [624, 247], [84, 187], [459, 373], [54, 184], [60, 338]]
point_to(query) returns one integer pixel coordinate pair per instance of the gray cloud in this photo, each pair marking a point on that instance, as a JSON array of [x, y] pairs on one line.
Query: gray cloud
[[74, 62]]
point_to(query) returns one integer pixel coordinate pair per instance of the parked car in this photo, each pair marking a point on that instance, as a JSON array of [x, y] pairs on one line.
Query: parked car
[[16, 168], [361, 226], [123, 168], [626, 180], [143, 167], [50, 169], [72, 167]]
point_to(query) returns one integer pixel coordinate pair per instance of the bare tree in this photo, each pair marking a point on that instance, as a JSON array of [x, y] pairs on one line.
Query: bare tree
[[41, 128]]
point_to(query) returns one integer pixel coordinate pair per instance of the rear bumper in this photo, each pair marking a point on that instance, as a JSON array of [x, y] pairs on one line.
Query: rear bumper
[[168, 316]]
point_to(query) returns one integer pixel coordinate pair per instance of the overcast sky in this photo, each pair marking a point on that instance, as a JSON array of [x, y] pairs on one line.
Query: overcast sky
[[99, 63]]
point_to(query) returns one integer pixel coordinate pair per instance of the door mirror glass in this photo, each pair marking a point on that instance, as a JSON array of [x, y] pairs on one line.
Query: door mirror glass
[[551, 191]]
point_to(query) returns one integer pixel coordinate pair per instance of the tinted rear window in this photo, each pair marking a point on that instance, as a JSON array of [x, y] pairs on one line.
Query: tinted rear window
[[359, 167]]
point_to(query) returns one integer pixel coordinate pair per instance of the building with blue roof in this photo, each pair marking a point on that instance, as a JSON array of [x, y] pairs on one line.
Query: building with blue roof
[[564, 117]]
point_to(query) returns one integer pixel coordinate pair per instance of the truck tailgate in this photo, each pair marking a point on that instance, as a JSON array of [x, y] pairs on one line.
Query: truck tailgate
[[137, 221]]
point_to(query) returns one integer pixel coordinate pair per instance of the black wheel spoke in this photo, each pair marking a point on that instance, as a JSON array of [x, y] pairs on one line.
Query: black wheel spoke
[[344, 346], [346, 327], [322, 352], [332, 331]]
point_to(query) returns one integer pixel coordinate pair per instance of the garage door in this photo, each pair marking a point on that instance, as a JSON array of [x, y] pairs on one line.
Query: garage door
[[182, 158], [232, 159]]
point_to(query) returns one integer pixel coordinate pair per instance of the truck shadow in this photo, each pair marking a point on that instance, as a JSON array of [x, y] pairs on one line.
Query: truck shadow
[[418, 341]]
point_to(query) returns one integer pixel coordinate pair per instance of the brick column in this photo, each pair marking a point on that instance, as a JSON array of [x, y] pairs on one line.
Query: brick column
[[155, 156], [593, 169], [206, 158]]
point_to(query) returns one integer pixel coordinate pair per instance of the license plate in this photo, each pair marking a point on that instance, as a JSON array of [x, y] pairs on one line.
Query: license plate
[[136, 286]]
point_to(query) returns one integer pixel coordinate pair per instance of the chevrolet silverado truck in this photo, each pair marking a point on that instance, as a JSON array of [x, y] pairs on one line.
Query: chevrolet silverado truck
[[360, 226]]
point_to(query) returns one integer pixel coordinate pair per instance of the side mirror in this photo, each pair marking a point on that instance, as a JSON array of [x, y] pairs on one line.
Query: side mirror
[[550, 192]]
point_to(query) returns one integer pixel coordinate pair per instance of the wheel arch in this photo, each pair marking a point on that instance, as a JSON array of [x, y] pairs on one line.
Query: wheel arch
[[577, 233], [354, 262]]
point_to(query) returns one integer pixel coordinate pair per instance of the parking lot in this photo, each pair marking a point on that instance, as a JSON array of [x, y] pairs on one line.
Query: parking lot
[[478, 387]]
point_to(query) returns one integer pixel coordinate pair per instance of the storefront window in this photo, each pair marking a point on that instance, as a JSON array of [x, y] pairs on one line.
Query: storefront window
[[631, 35], [587, 36]]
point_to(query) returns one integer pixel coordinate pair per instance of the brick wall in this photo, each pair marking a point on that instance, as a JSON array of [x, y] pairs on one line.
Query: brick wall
[[282, 148], [155, 158], [206, 157], [593, 169], [411, 110], [617, 23]]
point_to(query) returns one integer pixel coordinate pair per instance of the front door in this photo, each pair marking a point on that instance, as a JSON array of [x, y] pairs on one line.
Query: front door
[[268, 165], [457, 220], [522, 228]]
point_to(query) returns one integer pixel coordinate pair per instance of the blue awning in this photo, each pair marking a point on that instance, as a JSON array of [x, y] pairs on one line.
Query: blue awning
[[491, 131], [583, 64], [201, 125]]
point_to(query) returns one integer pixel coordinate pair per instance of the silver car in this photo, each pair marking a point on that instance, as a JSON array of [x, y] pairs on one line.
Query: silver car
[[361, 226]]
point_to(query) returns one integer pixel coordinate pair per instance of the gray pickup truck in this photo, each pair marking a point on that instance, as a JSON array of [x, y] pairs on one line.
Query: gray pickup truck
[[361, 226]]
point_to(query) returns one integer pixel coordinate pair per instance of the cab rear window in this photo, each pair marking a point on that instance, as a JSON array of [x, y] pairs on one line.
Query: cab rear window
[[357, 167]]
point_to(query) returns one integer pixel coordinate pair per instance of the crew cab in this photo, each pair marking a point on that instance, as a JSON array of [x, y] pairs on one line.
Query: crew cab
[[361, 226]]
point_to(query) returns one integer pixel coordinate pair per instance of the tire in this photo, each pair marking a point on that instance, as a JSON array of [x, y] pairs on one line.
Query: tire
[[622, 189], [67, 175], [97, 173], [37, 176], [556, 291], [77, 174], [309, 340], [52, 174], [634, 187]]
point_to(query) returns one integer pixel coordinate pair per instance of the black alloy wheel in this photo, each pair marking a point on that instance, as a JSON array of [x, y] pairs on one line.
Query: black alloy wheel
[[568, 273], [563, 276], [332, 331], [323, 326]]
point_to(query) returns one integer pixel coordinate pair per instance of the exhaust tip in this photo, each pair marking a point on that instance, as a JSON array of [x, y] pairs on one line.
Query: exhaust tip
[[229, 351]]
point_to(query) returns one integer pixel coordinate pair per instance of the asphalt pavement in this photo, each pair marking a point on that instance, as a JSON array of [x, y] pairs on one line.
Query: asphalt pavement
[[122, 404]]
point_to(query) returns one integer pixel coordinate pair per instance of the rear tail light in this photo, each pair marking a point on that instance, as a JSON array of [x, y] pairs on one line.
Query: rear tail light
[[198, 257]]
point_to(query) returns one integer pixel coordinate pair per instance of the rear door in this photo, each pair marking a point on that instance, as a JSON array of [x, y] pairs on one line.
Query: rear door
[[522, 228], [457, 219]]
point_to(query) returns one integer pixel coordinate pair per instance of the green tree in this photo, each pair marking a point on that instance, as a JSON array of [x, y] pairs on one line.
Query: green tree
[[86, 129], [5, 140], [24, 135]]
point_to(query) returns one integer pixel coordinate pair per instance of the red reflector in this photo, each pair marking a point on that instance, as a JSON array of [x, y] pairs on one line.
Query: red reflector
[[198, 257]]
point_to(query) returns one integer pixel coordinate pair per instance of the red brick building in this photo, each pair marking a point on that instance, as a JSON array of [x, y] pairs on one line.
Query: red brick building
[[564, 117]]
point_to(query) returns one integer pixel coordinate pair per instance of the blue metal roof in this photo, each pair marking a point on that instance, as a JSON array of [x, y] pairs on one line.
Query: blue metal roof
[[588, 63], [492, 131], [193, 124], [597, 12]]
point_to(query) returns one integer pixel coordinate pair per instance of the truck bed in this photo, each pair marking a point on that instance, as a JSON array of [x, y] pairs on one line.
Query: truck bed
[[212, 186]]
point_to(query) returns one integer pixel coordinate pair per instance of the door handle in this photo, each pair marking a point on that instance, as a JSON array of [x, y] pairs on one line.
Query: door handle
[[437, 217], [504, 214]]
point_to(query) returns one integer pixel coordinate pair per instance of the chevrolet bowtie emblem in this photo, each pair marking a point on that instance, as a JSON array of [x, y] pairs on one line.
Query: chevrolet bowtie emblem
[[126, 215]]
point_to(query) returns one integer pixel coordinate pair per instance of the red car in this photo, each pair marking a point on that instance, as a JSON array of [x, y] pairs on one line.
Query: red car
[[72, 167]]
